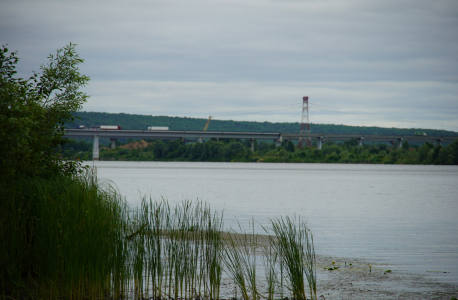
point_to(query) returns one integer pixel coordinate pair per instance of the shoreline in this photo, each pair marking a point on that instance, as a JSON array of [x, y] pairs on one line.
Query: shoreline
[[357, 281]]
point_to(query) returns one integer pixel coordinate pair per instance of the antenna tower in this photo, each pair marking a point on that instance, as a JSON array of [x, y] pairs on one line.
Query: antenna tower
[[305, 124]]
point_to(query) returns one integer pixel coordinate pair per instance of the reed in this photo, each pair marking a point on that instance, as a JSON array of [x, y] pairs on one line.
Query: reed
[[176, 252], [293, 243], [60, 236], [271, 263], [240, 260]]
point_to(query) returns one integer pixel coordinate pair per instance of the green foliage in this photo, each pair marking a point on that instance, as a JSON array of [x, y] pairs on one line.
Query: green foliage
[[212, 150], [172, 149], [290, 147], [424, 153], [158, 149], [234, 150], [33, 113], [351, 142], [58, 236], [293, 243], [405, 145], [449, 154]]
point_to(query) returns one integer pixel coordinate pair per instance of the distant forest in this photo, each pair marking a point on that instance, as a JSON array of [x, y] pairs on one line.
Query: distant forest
[[142, 122]]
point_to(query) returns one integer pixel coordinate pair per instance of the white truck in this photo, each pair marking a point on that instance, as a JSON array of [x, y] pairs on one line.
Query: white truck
[[110, 127], [158, 128]]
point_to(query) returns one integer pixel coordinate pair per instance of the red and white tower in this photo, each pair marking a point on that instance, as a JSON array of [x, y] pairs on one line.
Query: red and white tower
[[305, 124]]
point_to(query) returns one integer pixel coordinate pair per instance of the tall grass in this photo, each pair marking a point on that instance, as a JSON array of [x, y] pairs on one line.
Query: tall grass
[[271, 264], [288, 260], [176, 252], [59, 239], [240, 261], [293, 243], [71, 238]]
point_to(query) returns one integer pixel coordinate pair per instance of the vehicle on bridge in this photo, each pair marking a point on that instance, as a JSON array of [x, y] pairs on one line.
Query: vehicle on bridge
[[420, 133], [158, 128], [110, 127]]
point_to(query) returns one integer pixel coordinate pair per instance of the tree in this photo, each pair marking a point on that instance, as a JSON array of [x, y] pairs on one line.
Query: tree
[[158, 149], [351, 142], [424, 152], [290, 146], [234, 150], [405, 145], [173, 148], [34, 111]]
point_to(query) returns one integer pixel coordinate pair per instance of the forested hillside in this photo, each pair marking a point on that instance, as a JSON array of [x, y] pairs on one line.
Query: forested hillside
[[139, 122]]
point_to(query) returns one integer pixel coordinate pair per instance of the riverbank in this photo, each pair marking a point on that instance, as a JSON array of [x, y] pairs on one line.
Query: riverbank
[[351, 278], [357, 282], [242, 151]]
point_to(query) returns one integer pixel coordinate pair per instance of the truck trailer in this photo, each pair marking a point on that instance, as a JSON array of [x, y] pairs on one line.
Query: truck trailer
[[110, 127], [158, 128]]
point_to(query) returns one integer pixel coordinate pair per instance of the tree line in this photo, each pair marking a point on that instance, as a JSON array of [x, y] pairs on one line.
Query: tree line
[[237, 150]]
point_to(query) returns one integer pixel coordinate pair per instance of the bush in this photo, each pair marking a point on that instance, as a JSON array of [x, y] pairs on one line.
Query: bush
[[33, 113]]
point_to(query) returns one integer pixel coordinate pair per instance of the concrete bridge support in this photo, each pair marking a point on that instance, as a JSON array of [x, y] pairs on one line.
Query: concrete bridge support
[[113, 143], [320, 142], [95, 148], [252, 145], [360, 141], [439, 141], [400, 143], [278, 141]]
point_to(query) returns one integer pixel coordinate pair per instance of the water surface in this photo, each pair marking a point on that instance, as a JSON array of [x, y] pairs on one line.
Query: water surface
[[395, 214]]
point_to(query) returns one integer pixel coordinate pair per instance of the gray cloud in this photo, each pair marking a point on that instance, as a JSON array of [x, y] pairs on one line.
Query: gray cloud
[[384, 63]]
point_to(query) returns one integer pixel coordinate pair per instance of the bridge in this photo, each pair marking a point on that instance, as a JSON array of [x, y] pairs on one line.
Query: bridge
[[278, 137]]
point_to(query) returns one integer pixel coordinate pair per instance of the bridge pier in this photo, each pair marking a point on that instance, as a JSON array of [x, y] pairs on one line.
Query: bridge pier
[[252, 145], [360, 141], [278, 141], [95, 148], [400, 143], [439, 141], [113, 143], [320, 142]]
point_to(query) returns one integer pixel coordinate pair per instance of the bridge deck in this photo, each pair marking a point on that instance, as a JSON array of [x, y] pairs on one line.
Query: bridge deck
[[167, 134]]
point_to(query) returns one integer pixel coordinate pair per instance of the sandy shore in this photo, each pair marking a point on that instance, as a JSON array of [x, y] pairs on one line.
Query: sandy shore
[[356, 281]]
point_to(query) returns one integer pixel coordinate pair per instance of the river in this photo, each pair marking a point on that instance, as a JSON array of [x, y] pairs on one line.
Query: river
[[402, 215]]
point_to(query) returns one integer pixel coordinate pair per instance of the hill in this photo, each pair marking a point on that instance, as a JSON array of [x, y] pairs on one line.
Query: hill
[[139, 122]]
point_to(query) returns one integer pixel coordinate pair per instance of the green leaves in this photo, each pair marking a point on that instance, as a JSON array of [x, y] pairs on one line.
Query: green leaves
[[32, 110]]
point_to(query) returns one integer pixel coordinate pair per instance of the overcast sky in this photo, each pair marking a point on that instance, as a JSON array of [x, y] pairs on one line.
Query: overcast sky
[[388, 63]]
